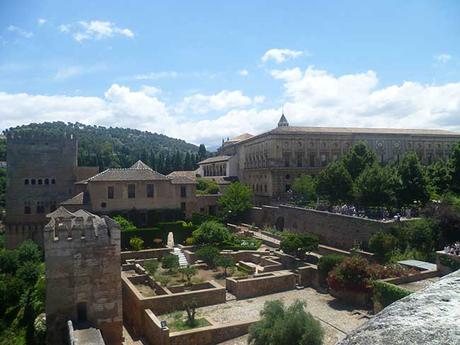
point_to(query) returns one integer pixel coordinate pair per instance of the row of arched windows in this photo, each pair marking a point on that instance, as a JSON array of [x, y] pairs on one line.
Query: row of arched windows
[[39, 181]]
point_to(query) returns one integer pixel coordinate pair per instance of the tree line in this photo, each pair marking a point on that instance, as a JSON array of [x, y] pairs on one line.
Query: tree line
[[360, 180]]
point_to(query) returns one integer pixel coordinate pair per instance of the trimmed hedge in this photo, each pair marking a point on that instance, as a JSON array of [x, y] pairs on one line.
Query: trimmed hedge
[[239, 243], [386, 293], [327, 263], [200, 218], [150, 218]]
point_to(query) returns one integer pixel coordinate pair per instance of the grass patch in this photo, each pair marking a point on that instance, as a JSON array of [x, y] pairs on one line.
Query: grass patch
[[177, 322]]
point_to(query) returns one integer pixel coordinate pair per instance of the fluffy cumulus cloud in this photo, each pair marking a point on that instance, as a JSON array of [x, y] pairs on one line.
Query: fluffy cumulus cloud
[[94, 30], [41, 21], [203, 104], [311, 97], [280, 55]]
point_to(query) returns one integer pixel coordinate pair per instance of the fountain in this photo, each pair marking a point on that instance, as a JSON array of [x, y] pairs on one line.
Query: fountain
[[170, 240]]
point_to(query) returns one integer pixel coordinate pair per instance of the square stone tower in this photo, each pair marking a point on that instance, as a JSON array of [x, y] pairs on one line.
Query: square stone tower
[[83, 275]]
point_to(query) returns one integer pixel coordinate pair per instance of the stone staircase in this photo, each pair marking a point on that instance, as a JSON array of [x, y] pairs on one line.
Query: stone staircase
[[182, 259]]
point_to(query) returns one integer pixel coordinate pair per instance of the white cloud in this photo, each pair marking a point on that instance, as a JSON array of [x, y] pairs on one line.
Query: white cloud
[[67, 72], [19, 31], [280, 55], [94, 30], [311, 97], [41, 21], [224, 100], [443, 58], [243, 72]]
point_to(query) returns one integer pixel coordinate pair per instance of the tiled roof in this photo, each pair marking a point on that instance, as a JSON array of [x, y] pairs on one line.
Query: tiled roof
[[182, 177], [140, 165], [240, 137], [215, 159], [76, 200], [351, 130], [129, 174], [60, 212]]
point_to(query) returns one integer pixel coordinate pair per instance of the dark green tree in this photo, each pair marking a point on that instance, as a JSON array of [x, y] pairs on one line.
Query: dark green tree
[[413, 187], [225, 262], [358, 159], [376, 186], [296, 244], [188, 164], [208, 254], [280, 325], [211, 232], [202, 153], [304, 188], [235, 201], [439, 176], [170, 262], [335, 184]]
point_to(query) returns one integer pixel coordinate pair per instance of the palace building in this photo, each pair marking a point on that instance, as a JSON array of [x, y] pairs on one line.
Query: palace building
[[270, 161]]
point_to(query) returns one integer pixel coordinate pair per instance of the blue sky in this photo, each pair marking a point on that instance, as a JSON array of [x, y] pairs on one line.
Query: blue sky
[[204, 70]]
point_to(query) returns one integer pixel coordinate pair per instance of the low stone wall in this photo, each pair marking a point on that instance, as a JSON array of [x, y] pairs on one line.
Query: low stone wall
[[413, 277], [152, 330], [333, 229], [134, 303], [145, 254], [308, 276], [210, 335], [262, 284], [447, 263]]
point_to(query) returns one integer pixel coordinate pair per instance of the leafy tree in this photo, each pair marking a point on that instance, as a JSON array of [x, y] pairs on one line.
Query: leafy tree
[[188, 272], [383, 245], [439, 177], [225, 262], [125, 224], [190, 308], [282, 325], [211, 232], [455, 164], [151, 266], [296, 244], [28, 251], [136, 243], [206, 186], [413, 182], [335, 184], [327, 263], [170, 262], [358, 159], [163, 279], [304, 188], [208, 254], [376, 186], [235, 201]]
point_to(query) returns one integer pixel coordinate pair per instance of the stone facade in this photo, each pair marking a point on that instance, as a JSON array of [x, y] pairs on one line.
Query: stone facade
[[270, 161], [83, 282], [41, 173]]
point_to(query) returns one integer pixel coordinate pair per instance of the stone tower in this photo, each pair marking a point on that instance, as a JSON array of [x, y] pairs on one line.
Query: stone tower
[[40, 175], [83, 275]]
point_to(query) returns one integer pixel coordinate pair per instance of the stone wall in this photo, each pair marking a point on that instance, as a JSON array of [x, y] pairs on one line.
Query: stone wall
[[262, 284], [332, 229]]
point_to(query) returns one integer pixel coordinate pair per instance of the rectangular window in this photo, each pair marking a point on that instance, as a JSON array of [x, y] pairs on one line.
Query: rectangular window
[[312, 159], [110, 192], [286, 158], [183, 206], [131, 191], [150, 191], [323, 159], [299, 159], [27, 209], [40, 208], [183, 191]]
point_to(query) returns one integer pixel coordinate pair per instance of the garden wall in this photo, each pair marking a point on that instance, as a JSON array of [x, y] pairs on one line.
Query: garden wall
[[333, 229], [144, 254], [447, 263], [262, 284]]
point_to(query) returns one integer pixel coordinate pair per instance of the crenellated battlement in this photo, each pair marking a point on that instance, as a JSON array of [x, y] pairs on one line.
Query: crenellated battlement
[[34, 137]]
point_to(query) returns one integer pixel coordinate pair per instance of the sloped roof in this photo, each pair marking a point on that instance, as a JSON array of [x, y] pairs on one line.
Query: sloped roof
[[182, 177], [76, 200], [140, 165], [60, 212], [129, 174], [353, 130], [215, 159], [240, 137]]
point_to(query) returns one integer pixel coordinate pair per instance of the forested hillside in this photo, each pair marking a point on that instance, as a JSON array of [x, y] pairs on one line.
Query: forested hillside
[[121, 147]]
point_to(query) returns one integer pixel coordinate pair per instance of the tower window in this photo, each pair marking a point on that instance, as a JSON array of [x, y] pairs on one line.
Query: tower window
[[47, 181], [27, 209], [32, 181], [40, 181], [40, 207], [26, 181], [53, 181]]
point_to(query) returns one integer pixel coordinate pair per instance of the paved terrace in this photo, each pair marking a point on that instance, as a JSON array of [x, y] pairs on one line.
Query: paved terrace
[[337, 319]]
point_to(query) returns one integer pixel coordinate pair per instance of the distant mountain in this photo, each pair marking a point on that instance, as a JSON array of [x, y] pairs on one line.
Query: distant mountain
[[122, 147]]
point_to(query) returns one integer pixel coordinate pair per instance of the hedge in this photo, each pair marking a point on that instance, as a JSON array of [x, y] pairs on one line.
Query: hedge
[[150, 218], [327, 263], [147, 235], [200, 218], [386, 293], [237, 244], [449, 262]]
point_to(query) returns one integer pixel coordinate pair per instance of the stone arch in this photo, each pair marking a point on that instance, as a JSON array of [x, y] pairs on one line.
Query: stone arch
[[279, 224]]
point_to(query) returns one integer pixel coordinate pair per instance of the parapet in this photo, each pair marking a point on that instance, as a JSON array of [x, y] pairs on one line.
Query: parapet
[[80, 225], [32, 137]]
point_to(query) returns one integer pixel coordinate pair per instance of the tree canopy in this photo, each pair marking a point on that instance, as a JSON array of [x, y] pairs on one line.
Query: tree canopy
[[358, 159], [235, 201], [335, 183]]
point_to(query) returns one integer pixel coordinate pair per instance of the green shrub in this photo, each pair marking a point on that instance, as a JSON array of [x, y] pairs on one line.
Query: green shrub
[[293, 243], [170, 262], [383, 245], [206, 186], [225, 262], [386, 293], [200, 218], [151, 266], [283, 325], [449, 262], [211, 232], [136, 243], [328, 262], [125, 225], [208, 254], [241, 243]]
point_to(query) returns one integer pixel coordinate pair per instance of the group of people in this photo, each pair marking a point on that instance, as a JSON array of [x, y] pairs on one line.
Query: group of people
[[453, 249]]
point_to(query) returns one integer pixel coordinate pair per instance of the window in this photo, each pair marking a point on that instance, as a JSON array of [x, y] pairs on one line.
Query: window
[[26, 181], [299, 159], [286, 158], [183, 191], [110, 192], [150, 191], [183, 206], [323, 158], [27, 209], [81, 312], [288, 177], [312, 159], [47, 181], [131, 191], [53, 181], [40, 181], [103, 204], [52, 206], [32, 181], [40, 207]]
